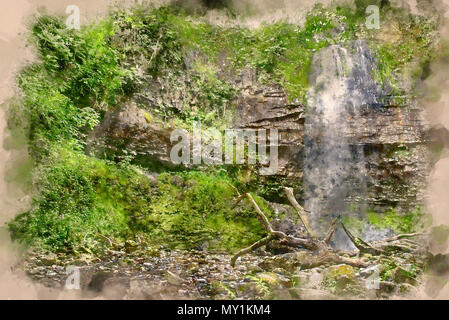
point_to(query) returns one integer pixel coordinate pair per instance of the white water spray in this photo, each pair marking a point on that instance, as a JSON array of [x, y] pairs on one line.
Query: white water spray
[[334, 167]]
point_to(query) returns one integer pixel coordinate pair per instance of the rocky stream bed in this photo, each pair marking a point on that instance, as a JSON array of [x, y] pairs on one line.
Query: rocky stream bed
[[177, 274]]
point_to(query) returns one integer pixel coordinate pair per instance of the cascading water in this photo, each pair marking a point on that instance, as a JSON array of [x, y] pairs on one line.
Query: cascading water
[[334, 169]]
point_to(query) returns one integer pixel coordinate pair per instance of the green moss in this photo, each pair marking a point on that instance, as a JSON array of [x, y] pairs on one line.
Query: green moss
[[81, 199], [400, 223], [414, 221], [193, 208], [354, 224], [341, 279]]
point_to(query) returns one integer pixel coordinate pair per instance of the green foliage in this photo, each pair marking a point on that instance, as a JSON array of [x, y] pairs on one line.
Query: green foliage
[[414, 221], [92, 69], [214, 95], [150, 34], [160, 45], [84, 63], [83, 199], [78, 77], [388, 268], [78, 199], [50, 115], [281, 52], [391, 270], [355, 225]]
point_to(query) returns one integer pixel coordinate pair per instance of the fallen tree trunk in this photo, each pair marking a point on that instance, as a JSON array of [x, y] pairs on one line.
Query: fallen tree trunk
[[321, 252], [324, 253]]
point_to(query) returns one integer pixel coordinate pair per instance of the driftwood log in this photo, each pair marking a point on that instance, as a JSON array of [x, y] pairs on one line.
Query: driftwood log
[[321, 252]]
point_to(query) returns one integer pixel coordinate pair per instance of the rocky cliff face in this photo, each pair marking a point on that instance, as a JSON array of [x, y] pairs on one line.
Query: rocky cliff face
[[128, 131], [268, 108], [386, 155], [389, 144]]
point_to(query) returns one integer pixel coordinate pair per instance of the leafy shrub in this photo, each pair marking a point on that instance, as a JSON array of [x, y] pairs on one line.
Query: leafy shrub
[[84, 62], [76, 202], [63, 95]]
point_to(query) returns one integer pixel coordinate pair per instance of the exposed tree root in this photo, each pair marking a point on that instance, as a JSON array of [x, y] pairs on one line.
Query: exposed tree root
[[321, 252]]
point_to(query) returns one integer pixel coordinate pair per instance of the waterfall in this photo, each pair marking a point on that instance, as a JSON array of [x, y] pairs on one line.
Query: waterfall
[[334, 168]]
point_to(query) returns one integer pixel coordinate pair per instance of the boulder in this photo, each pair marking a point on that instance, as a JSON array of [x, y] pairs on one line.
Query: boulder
[[127, 131]]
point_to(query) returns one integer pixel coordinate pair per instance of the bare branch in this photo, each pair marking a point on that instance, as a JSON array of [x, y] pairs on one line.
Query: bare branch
[[330, 231], [266, 224], [235, 189], [404, 236], [301, 211], [351, 262], [156, 50], [254, 246]]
